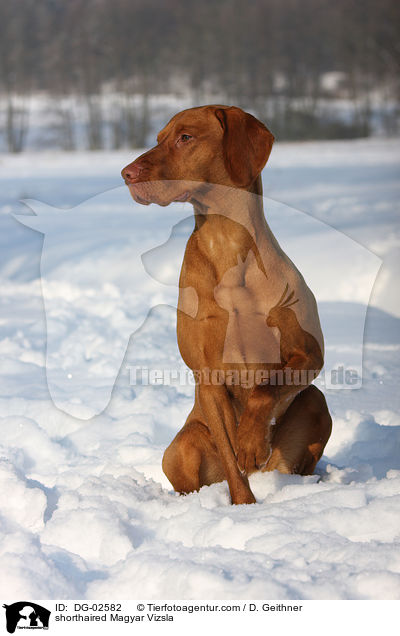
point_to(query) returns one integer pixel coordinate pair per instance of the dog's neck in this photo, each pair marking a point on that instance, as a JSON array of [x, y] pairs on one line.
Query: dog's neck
[[256, 187], [244, 206]]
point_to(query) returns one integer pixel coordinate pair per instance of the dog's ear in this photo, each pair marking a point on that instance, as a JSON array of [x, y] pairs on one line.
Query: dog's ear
[[247, 144]]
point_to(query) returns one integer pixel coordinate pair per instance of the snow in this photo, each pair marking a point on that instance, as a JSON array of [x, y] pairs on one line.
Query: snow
[[85, 510]]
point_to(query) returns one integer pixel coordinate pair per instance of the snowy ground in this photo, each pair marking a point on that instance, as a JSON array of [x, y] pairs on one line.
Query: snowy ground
[[85, 508]]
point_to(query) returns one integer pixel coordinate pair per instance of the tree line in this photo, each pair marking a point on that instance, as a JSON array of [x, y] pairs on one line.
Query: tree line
[[102, 62]]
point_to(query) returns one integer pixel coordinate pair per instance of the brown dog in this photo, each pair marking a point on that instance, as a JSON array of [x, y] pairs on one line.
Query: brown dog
[[254, 316]]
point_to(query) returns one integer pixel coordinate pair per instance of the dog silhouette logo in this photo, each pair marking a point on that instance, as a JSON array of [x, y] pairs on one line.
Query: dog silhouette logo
[[106, 268], [26, 615]]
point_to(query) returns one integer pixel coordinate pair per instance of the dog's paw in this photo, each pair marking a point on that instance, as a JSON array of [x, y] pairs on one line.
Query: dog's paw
[[253, 454]]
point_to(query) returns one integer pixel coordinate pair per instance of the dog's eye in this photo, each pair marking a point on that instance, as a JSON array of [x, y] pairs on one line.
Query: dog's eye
[[185, 137]]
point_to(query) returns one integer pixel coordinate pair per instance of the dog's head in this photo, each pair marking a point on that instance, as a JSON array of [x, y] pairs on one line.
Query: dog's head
[[206, 145]]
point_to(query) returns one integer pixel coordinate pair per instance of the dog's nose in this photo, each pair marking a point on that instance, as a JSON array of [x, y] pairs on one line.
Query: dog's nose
[[131, 173]]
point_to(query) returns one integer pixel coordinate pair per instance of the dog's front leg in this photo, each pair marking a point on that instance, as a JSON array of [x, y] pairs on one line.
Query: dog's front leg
[[221, 421], [254, 429], [253, 433]]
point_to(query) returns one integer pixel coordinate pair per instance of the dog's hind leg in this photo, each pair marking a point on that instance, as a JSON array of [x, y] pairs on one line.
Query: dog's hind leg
[[191, 460], [301, 434]]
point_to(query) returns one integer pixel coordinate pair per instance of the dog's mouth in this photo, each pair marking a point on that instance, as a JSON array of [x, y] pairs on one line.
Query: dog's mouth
[[139, 194], [144, 193], [185, 196]]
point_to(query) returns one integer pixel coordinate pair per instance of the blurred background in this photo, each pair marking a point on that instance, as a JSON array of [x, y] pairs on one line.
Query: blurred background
[[102, 74]]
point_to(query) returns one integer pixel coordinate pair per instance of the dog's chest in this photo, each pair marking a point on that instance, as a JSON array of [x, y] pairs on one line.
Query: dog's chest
[[243, 289], [245, 293], [234, 304]]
